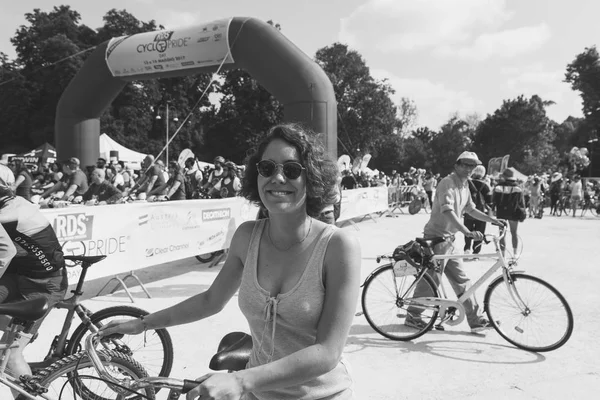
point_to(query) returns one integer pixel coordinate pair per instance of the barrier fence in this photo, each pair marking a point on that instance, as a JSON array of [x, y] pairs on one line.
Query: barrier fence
[[401, 196], [140, 235], [364, 201]]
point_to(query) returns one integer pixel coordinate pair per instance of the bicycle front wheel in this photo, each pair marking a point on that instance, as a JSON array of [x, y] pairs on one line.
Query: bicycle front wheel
[[529, 313], [75, 377], [153, 349], [388, 303]]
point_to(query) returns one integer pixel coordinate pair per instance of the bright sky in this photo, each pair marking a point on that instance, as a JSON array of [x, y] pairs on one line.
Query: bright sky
[[447, 55]]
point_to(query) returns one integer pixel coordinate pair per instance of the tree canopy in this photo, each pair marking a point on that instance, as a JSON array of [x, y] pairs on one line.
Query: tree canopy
[[52, 46]]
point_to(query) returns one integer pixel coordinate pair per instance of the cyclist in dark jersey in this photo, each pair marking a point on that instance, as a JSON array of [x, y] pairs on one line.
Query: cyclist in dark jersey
[[37, 268]]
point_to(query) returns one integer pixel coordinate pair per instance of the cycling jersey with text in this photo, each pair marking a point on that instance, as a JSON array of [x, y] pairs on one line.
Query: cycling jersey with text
[[38, 249]]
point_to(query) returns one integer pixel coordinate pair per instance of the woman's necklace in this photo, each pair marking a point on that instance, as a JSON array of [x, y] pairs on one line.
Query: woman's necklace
[[293, 244]]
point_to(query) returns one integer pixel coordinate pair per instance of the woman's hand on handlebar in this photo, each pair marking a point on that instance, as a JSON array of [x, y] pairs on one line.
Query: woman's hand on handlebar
[[217, 387], [125, 326]]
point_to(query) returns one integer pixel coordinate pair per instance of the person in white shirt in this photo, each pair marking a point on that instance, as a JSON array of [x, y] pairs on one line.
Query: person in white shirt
[[114, 176], [6, 175]]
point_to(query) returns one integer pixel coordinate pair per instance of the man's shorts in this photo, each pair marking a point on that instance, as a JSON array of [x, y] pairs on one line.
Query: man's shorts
[[15, 287]]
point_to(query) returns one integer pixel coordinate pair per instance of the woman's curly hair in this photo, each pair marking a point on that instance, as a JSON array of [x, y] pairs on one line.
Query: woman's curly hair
[[321, 172]]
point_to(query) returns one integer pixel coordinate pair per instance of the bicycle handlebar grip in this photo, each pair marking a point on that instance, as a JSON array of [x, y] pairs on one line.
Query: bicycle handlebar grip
[[188, 385]]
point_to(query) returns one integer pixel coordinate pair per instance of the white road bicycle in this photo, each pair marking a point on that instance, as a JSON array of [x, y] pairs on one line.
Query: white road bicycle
[[525, 310]]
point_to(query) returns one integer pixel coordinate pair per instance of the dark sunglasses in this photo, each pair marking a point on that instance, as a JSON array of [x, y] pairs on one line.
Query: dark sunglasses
[[468, 165], [291, 169]]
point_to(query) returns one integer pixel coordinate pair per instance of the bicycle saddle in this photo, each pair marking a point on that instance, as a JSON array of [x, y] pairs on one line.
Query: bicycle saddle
[[233, 352], [430, 243], [27, 310], [85, 259]]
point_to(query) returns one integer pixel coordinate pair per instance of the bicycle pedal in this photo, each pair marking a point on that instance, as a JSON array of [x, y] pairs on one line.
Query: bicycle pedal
[[439, 327], [32, 385]]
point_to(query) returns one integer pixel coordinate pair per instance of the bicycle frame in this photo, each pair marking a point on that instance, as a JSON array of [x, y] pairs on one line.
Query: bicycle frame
[[73, 305], [443, 303]]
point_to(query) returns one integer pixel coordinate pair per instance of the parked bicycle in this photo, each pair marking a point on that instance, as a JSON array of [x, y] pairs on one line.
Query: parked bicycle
[[71, 374], [154, 349], [525, 310], [232, 355], [591, 204], [563, 207]]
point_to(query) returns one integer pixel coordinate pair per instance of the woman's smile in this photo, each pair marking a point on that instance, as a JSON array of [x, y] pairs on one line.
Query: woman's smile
[[279, 193]]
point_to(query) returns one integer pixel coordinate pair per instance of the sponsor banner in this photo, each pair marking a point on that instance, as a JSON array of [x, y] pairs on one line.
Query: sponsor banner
[[359, 202], [170, 50], [139, 235]]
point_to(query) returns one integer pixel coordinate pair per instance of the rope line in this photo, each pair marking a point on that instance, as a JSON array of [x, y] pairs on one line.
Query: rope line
[[52, 64], [195, 106]]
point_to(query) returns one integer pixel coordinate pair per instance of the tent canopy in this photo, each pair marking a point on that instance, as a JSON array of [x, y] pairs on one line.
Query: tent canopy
[[107, 144], [519, 175], [44, 153]]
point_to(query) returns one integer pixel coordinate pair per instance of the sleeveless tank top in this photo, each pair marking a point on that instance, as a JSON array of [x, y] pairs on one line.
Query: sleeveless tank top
[[287, 323]]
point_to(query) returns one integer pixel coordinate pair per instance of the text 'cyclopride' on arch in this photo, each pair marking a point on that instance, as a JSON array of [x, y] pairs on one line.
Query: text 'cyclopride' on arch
[[170, 50]]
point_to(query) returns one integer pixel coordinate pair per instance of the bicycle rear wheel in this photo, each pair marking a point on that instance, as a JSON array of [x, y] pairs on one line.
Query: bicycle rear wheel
[[387, 302], [76, 378], [153, 349], [542, 322]]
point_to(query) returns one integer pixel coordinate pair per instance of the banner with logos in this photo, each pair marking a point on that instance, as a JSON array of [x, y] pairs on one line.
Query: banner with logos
[[170, 50], [139, 235], [359, 202]]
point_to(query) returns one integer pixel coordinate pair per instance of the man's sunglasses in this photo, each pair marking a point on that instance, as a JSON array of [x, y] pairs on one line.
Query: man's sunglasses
[[468, 165], [291, 169]]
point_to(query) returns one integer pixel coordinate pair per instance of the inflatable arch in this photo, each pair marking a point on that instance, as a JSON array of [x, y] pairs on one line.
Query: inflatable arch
[[247, 43]]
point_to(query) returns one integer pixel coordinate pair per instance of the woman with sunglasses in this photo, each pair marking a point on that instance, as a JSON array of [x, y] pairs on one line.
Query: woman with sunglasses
[[298, 280]]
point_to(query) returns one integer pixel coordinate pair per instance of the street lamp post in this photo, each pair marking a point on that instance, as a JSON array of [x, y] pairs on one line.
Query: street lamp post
[[591, 142], [167, 130]]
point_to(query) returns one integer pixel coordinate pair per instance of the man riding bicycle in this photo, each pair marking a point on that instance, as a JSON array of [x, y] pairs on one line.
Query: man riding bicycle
[[31, 265]]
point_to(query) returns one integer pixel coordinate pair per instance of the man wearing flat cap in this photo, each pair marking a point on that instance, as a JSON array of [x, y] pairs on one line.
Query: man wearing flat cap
[[452, 199]]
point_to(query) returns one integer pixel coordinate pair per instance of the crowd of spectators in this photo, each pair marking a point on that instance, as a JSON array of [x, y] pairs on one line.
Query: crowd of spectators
[[62, 183], [540, 190], [66, 182]]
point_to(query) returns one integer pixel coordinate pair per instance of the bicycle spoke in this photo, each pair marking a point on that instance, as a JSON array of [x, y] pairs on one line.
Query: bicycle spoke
[[386, 311], [541, 320]]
